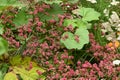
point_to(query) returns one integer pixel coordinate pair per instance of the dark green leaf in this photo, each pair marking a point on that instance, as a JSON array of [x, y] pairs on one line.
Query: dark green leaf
[[52, 13], [21, 18]]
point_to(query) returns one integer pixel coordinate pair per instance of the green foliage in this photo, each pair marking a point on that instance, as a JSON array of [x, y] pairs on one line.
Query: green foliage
[[76, 23], [4, 4], [58, 1], [3, 42], [53, 1], [3, 70], [72, 22], [99, 6], [26, 68], [21, 18], [71, 43], [10, 76], [71, 1], [1, 29], [88, 14], [21, 66], [28, 75], [3, 46], [16, 60], [52, 13]]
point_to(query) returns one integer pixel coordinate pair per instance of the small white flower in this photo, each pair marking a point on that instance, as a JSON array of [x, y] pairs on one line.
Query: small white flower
[[106, 12], [92, 1], [114, 17], [114, 2], [116, 62], [118, 38], [107, 26], [68, 6], [111, 36], [104, 30]]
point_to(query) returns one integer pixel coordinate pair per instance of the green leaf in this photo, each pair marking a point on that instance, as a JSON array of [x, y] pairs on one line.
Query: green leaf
[[10, 76], [53, 1], [36, 68], [81, 24], [71, 43], [1, 29], [52, 13], [1, 75], [71, 1], [68, 22], [42, 77], [88, 14], [33, 72], [3, 46], [23, 73], [4, 4], [3, 69], [26, 61], [84, 36], [16, 60], [21, 18]]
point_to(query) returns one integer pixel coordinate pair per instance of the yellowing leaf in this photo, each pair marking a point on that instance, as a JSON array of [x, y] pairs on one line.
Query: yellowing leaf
[[16, 60], [28, 75], [10, 76]]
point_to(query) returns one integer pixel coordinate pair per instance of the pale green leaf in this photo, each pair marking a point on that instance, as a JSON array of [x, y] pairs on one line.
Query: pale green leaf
[[81, 24], [71, 43], [84, 36], [53, 1], [88, 14], [68, 22]]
